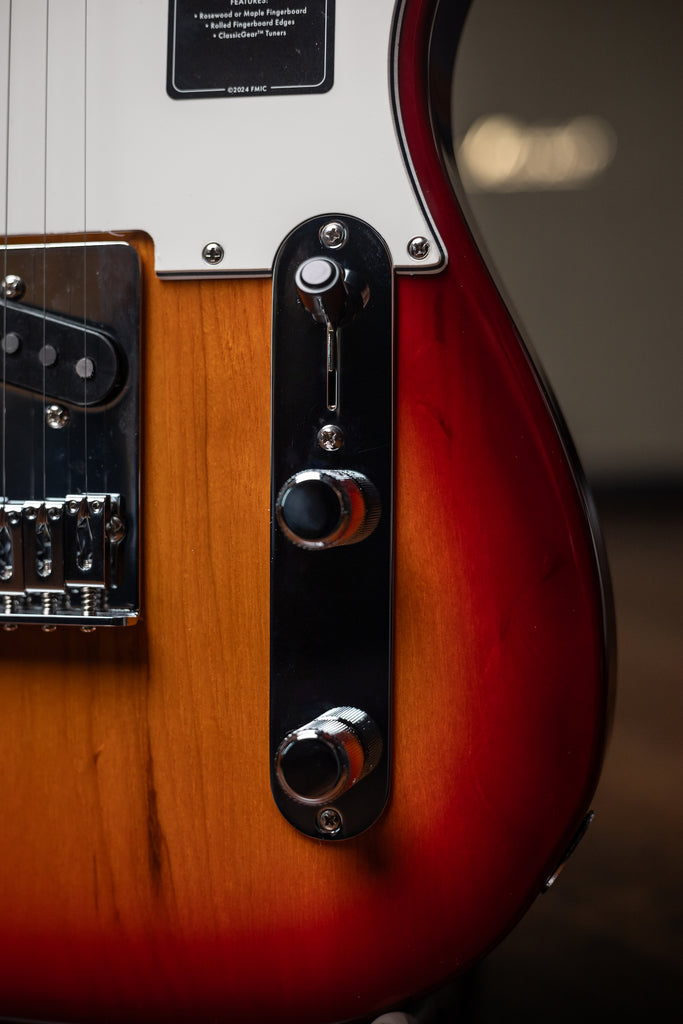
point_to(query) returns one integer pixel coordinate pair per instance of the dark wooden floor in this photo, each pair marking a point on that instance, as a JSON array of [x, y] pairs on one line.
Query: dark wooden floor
[[605, 944]]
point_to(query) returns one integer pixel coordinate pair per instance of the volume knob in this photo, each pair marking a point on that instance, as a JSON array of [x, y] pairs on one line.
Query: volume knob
[[321, 760], [326, 508]]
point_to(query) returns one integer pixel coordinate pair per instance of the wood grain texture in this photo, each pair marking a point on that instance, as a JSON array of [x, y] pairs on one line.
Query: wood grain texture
[[145, 872], [144, 867]]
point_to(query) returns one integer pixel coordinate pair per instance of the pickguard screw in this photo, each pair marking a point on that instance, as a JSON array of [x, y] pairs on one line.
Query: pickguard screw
[[419, 247], [56, 416], [213, 253], [329, 820], [12, 287], [330, 438], [333, 235]]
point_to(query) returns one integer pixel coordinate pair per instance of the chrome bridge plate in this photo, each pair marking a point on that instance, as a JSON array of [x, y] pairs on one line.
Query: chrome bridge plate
[[69, 435]]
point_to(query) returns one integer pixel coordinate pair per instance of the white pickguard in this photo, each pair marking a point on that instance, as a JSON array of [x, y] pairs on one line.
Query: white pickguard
[[239, 171]]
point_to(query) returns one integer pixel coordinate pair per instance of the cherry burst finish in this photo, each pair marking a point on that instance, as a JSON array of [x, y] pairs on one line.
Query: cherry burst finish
[[145, 872]]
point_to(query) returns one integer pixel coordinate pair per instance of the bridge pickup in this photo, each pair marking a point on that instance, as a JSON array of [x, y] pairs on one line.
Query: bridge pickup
[[69, 360], [69, 517]]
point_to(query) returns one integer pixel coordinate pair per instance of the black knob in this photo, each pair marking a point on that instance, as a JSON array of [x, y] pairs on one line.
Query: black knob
[[311, 510], [310, 767], [321, 760], [327, 508], [320, 285]]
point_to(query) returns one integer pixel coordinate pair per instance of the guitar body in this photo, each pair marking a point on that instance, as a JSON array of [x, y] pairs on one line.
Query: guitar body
[[145, 871]]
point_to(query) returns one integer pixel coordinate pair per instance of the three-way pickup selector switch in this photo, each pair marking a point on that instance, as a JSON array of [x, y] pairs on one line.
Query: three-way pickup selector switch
[[326, 508], [332, 294], [320, 761], [322, 290]]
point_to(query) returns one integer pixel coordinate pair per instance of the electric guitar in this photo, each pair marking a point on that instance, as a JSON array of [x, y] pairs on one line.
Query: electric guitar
[[305, 678]]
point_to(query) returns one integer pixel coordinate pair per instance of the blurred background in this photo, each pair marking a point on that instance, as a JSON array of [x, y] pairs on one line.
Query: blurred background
[[568, 144]]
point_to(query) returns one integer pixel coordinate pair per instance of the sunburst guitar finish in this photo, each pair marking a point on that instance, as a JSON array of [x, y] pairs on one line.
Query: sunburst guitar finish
[[146, 872]]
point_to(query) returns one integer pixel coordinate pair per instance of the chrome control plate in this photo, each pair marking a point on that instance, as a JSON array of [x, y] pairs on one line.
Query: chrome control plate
[[69, 436], [331, 603]]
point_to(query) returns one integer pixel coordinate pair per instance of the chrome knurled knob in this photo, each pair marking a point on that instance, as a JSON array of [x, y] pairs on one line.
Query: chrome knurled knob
[[326, 508], [320, 761]]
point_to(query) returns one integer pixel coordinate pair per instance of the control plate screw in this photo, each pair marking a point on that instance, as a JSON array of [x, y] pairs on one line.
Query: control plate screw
[[333, 235], [330, 438], [213, 253], [329, 821], [419, 247], [12, 287], [56, 416]]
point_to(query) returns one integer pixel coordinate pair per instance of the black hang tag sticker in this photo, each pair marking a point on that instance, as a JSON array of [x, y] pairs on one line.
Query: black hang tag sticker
[[249, 48]]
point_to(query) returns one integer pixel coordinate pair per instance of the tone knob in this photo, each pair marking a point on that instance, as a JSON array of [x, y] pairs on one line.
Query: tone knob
[[321, 760], [326, 508]]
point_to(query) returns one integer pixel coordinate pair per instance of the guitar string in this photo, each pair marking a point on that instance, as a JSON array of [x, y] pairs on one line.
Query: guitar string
[[85, 239], [5, 257], [45, 164]]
